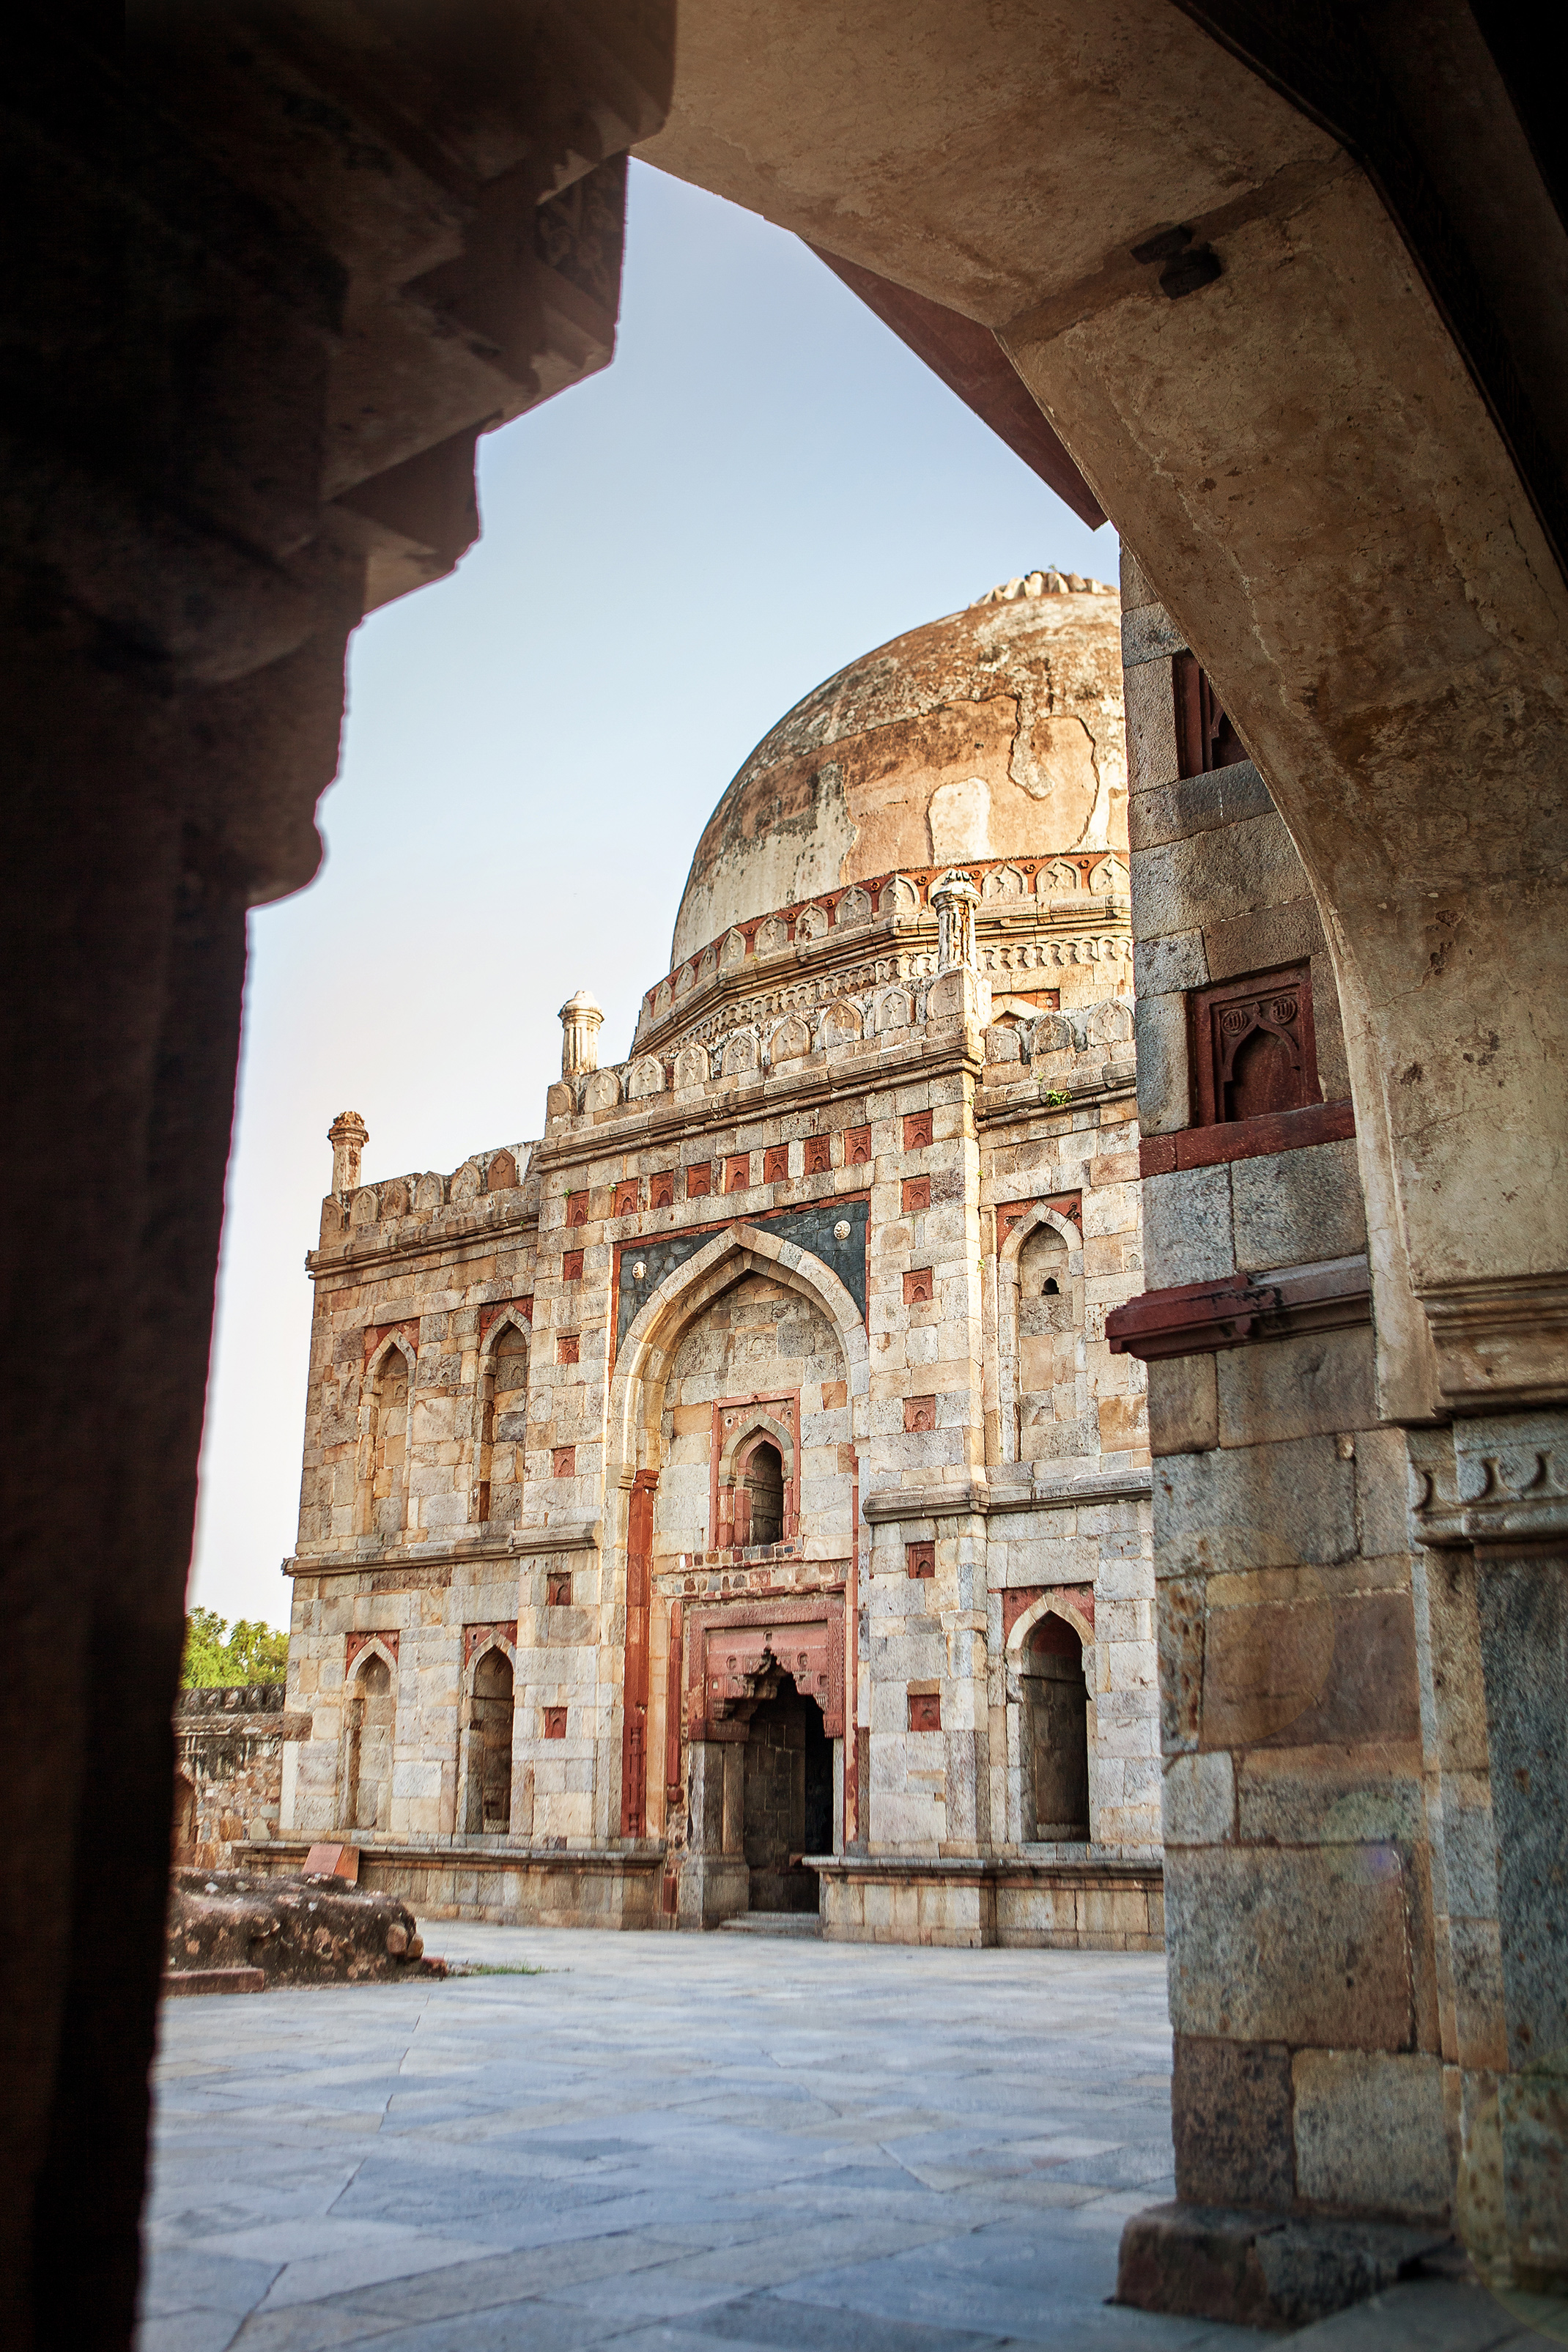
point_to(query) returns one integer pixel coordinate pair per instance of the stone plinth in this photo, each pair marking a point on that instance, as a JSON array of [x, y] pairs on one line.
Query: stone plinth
[[1102, 1903]]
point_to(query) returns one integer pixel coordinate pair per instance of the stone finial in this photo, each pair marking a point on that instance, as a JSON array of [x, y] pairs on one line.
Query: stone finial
[[955, 899], [348, 1135], [581, 1022], [1046, 582]]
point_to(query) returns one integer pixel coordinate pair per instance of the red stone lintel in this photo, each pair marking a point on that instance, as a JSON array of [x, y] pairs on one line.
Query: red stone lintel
[[1198, 1319], [1193, 1318], [1247, 1138]]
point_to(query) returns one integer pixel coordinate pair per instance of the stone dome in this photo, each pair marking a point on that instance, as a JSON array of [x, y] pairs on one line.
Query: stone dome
[[996, 733]]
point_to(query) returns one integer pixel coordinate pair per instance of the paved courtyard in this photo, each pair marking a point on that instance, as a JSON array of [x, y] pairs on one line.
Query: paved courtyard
[[683, 2142]]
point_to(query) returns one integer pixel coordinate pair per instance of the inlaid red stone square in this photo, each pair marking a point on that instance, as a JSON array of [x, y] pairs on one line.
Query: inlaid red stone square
[[564, 1462], [856, 1146], [627, 1198], [558, 1590], [919, 1284], [925, 1711], [919, 1413], [572, 1265], [555, 1723], [916, 1194], [917, 1130], [776, 1164], [576, 1208], [661, 1190], [919, 1559], [738, 1172], [568, 1348], [817, 1155], [700, 1180]]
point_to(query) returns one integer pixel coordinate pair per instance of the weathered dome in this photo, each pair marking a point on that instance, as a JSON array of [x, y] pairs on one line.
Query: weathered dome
[[994, 733]]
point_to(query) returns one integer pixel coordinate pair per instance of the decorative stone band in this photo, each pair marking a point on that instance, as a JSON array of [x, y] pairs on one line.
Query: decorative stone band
[[975, 1499], [1504, 1486], [1247, 1138], [574, 1536], [1199, 1318], [571, 1534], [1005, 885]]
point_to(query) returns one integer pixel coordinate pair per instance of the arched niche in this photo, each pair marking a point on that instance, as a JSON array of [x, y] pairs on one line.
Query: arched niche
[[370, 1715], [500, 1421], [386, 1405], [1039, 1338]]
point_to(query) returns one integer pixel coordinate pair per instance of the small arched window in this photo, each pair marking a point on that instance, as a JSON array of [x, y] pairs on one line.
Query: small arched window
[[766, 1493]]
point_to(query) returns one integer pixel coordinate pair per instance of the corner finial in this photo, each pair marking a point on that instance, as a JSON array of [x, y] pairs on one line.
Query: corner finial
[[955, 899], [581, 1022], [348, 1135]]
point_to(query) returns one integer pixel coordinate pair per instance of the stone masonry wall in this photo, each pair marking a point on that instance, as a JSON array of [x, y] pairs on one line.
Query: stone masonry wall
[[228, 1769], [1298, 1880]]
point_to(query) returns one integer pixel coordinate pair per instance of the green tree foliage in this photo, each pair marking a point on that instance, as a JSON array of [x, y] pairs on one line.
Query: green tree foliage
[[218, 1657]]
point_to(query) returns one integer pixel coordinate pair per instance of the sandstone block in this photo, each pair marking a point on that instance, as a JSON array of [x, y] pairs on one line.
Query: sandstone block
[[1187, 1226], [1255, 1506], [1300, 1386], [1295, 1208], [1370, 2134], [1183, 1405], [1165, 967], [1214, 875], [1307, 1946], [1198, 1799], [1231, 2123]]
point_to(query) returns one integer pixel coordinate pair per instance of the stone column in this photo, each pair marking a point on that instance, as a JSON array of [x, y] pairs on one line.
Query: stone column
[[581, 1022], [348, 1135]]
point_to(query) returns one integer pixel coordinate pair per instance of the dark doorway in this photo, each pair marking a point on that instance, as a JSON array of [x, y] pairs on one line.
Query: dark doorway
[[491, 1742], [1056, 1735], [788, 1799]]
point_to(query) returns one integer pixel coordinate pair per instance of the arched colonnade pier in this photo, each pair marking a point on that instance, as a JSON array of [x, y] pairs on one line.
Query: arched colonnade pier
[[1285, 296]]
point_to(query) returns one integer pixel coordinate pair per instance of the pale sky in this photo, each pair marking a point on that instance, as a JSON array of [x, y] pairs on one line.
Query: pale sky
[[764, 486]]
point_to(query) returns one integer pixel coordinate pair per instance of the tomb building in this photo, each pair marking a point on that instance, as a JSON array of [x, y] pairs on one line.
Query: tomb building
[[730, 1500]]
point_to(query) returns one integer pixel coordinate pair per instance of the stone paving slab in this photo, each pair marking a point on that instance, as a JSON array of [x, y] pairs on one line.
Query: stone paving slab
[[690, 2143]]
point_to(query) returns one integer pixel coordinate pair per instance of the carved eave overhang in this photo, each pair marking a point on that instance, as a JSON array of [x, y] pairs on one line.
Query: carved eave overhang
[[1502, 1345], [1198, 1319]]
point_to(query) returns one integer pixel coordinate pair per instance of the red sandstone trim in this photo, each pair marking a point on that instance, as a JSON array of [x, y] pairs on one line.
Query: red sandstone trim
[[1198, 1319], [1247, 1138]]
